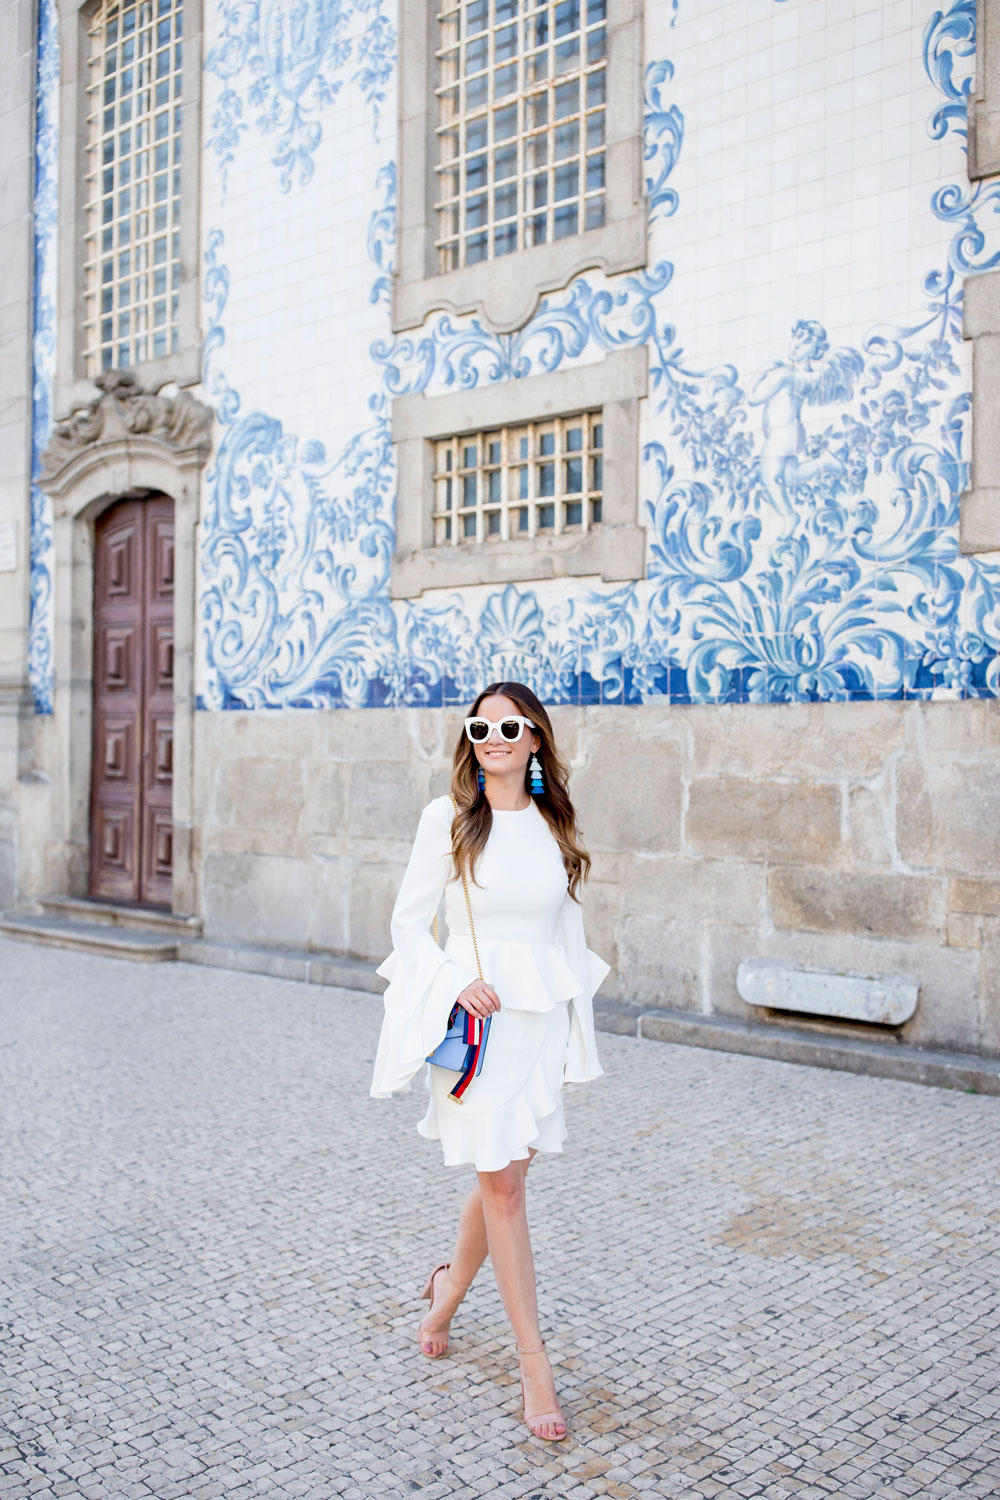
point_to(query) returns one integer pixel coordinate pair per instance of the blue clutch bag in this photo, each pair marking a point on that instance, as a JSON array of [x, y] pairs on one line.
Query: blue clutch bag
[[463, 1046], [461, 1040]]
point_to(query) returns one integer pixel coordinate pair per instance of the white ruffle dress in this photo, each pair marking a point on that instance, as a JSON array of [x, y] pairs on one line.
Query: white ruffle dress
[[534, 954]]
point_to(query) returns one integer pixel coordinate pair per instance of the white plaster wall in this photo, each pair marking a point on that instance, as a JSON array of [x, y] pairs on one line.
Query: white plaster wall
[[299, 323], [807, 170]]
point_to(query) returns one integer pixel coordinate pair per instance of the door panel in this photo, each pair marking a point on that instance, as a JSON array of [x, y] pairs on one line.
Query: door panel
[[158, 704], [117, 752], [131, 799]]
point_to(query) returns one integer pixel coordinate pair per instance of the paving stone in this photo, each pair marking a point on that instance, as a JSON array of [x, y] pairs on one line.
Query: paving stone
[[755, 1279]]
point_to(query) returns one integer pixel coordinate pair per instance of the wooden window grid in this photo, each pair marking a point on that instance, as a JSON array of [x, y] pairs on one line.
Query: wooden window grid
[[133, 183], [521, 110], [535, 479]]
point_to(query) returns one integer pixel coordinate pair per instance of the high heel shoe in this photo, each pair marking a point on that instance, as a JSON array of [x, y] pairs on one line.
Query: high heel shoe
[[539, 1417], [425, 1335]]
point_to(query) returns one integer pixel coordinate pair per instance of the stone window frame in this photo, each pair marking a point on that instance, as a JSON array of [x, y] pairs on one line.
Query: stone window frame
[[615, 550], [73, 387], [506, 290], [984, 104], [979, 507]]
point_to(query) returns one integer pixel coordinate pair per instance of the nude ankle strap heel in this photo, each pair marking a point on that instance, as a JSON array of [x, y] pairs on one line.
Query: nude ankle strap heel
[[540, 1416], [445, 1265], [428, 1292]]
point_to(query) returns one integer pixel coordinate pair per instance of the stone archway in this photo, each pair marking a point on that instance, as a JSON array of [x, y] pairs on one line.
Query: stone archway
[[125, 445]]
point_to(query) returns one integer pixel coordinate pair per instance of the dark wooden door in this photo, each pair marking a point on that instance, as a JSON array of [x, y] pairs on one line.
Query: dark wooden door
[[131, 830]]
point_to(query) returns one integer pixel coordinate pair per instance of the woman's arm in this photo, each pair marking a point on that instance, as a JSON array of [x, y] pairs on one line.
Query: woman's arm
[[423, 883], [428, 871], [424, 982]]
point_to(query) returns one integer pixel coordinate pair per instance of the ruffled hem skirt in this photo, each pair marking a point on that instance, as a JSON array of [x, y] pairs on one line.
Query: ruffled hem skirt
[[515, 1102]]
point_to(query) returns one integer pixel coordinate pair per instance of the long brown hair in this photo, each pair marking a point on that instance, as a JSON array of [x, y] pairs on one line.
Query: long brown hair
[[472, 824]]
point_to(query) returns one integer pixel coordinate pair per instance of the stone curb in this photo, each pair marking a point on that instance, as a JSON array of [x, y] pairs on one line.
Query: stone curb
[[284, 963], [957, 1070]]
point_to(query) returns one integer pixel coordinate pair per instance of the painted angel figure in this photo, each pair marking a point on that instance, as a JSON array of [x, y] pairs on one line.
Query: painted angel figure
[[816, 374]]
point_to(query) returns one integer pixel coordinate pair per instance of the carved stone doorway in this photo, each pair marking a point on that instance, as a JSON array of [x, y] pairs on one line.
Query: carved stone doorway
[[131, 817]]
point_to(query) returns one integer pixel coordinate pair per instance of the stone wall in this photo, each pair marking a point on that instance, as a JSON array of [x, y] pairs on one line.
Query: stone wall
[[844, 836]]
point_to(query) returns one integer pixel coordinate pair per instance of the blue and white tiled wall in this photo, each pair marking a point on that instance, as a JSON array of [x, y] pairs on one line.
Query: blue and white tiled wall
[[806, 435], [43, 350]]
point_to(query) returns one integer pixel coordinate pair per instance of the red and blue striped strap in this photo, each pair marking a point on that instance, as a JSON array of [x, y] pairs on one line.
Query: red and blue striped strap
[[474, 1036]]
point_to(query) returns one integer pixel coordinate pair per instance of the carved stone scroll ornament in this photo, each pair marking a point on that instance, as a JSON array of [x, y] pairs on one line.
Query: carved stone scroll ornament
[[122, 418]]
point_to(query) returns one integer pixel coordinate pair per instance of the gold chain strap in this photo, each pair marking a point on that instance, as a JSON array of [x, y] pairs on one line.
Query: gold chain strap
[[468, 907]]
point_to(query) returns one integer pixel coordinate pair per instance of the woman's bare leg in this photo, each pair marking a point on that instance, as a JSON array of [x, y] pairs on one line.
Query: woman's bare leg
[[505, 1215], [471, 1249]]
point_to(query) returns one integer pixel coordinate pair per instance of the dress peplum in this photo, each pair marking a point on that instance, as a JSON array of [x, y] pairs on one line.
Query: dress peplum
[[534, 954]]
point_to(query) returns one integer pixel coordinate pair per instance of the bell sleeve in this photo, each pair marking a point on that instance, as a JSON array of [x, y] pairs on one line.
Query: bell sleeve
[[590, 972], [424, 982]]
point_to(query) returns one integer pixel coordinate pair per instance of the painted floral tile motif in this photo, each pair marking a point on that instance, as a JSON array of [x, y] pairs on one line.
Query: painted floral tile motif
[[802, 511]]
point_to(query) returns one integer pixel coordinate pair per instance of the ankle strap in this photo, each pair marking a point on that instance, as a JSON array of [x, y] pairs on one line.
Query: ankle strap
[[521, 1351]]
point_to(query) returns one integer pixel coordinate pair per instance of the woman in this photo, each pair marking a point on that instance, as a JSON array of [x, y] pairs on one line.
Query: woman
[[511, 826]]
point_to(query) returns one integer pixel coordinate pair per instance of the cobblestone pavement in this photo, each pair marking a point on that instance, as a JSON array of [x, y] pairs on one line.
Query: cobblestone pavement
[[755, 1279]]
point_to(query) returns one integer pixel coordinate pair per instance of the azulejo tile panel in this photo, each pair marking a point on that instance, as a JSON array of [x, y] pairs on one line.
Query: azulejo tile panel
[[800, 488], [282, 67], [44, 213]]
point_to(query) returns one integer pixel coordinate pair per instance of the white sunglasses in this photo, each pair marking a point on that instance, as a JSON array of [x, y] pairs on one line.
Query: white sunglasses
[[509, 729]]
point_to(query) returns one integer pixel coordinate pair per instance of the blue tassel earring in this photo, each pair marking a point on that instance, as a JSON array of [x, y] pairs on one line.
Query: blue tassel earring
[[537, 785], [480, 777]]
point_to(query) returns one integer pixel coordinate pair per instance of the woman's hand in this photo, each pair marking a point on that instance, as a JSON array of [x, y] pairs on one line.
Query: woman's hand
[[479, 999]]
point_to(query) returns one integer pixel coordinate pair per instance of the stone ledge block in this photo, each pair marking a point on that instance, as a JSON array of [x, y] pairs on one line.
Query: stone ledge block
[[882, 999], [749, 819], [898, 906], [948, 1011]]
